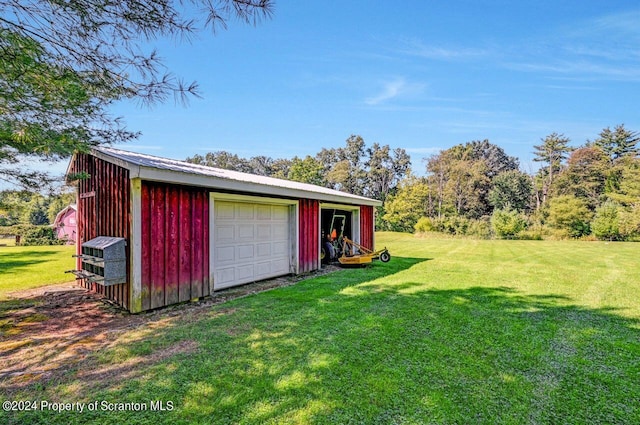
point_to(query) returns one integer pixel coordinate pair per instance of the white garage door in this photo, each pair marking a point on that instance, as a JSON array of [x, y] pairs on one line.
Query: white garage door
[[250, 242]]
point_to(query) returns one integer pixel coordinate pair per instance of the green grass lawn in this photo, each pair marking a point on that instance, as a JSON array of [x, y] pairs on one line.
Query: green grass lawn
[[450, 331], [26, 267]]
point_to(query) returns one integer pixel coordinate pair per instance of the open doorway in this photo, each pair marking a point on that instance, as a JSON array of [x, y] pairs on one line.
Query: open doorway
[[334, 224]]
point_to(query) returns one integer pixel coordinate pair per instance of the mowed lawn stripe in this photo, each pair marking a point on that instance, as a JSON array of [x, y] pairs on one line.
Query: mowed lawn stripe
[[450, 331]]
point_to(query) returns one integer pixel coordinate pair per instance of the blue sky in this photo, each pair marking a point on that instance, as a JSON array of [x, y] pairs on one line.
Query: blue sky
[[420, 75]]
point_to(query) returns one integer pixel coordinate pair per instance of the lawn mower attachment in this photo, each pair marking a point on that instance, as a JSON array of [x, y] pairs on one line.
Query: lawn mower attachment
[[354, 254]]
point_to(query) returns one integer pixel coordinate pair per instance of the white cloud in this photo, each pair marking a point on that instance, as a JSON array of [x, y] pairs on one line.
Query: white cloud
[[415, 47], [394, 89]]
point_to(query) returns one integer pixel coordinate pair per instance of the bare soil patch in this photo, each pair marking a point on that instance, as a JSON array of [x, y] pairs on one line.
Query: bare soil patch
[[47, 331]]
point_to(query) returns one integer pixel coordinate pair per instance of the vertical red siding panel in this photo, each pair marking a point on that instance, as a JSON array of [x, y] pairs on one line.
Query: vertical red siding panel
[[308, 238], [184, 247], [303, 239], [196, 253], [157, 246], [171, 242], [301, 235], [205, 244], [366, 226], [146, 245], [313, 237]]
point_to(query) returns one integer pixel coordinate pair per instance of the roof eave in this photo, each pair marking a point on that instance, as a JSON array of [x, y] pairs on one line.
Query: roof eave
[[211, 182]]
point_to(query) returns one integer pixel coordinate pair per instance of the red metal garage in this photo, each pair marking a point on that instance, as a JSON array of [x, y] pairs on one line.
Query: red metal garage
[[191, 230]]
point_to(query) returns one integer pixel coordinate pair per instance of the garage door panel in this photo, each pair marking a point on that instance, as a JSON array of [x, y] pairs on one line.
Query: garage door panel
[[245, 211], [225, 276], [225, 211], [225, 233], [264, 212], [280, 213], [225, 254], [280, 231], [245, 252], [246, 232], [264, 232], [252, 242], [264, 249], [246, 272], [280, 248], [280, 266]]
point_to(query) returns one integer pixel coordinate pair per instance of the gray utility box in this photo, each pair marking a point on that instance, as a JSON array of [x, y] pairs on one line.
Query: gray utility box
[[104, 261]]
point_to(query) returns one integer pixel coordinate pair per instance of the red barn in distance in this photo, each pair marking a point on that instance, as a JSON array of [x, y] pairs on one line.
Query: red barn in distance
[[65, 224], [191, 230]]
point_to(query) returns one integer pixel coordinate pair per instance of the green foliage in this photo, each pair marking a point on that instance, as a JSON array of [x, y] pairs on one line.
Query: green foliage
[[59, 202], [570, 214], [507, 223], [32, 235], [606, 223], [424, 225], [629, 223], [460, 226], [39, 235], [462, 176], [22, 207], [626, 189], [618, 143], [63, 64], [511, 188], [404, 209], [585, 176], [552, 152], [307, 170]]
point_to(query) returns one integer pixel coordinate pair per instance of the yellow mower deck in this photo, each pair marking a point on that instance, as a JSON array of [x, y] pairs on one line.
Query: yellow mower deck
[[365, 255]]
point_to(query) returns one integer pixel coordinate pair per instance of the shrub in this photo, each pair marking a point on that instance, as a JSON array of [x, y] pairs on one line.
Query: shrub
[[507, 223], [606, 224], [530, 235], [570, 214], [479, 229], [37, 235], [630, 223], [456, 226], [424, 224]]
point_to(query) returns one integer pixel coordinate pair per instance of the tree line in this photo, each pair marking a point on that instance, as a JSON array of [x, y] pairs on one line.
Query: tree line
[[476, 189], [373, 171]]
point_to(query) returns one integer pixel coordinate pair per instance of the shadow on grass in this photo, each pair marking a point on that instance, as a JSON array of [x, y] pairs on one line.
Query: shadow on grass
[[351, 347], [13, 261]]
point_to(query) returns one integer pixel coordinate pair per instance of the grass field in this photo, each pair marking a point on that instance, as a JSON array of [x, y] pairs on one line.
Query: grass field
[[450, 331], [25, 267]]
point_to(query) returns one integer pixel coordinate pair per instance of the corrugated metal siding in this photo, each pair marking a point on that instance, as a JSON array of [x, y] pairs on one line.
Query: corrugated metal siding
[[104, 210], [175, 244], [366, 226], [309, 235]]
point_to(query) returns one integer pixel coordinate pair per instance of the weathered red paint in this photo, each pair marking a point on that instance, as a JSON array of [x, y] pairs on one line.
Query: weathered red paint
[[174, 229], [366, 226], [309, 237], [175, 244], [103, 210]]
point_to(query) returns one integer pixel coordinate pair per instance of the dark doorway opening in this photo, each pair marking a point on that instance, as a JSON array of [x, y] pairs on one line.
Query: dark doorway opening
[[334, 224]]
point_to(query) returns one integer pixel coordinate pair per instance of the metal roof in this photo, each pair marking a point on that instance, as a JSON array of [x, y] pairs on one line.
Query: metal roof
[[167, 170]]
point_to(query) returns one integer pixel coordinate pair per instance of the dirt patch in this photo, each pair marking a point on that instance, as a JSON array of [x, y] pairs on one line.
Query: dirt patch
[[48, 331]]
